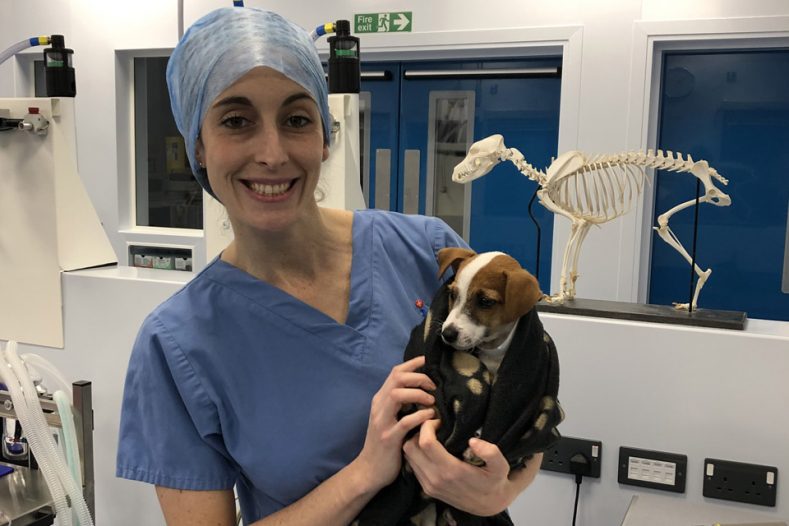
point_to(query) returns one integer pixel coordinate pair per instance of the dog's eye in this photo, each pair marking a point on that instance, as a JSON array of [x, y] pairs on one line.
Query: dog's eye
[[452, 294], [485, 302]]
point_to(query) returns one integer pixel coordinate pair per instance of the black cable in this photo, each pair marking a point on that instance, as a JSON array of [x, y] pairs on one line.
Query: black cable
[[539, 233], [693, 252], [577, 492], [579, 466]]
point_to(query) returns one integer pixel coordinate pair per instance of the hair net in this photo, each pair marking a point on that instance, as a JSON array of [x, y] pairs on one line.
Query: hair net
[[222, 47]]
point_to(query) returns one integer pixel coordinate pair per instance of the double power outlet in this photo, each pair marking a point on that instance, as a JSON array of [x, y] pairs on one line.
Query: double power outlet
[[723, 479], [574, 456]]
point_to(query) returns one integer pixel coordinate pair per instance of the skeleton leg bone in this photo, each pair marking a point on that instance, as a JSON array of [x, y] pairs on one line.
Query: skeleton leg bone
[[548, 203], [667, 235], [562, 295], [583, 231]]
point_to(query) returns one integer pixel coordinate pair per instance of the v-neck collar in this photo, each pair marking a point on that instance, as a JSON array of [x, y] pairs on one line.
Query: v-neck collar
[[298, 312]]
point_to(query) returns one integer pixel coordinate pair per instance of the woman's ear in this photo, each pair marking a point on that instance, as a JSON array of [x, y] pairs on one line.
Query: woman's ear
[[325, 152], [200, 152]]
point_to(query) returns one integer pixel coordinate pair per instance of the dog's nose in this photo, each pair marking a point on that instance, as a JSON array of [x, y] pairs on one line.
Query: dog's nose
[[450, 334]]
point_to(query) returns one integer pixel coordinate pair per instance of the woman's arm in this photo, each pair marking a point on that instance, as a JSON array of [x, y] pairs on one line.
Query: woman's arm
[[340, 498], [199, 508], [337, 501], [482, 491]]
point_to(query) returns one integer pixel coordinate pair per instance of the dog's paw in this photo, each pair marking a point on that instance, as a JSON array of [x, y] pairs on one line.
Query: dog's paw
[[472, 459]]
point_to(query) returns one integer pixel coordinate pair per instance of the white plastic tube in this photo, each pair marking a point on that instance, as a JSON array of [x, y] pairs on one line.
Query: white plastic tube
[[48, 447], [9, 377], [69, 435], [56, 381], [13, 50]]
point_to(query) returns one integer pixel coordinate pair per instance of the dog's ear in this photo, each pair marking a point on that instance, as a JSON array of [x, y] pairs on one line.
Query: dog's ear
[[452, 256], [521, 293]]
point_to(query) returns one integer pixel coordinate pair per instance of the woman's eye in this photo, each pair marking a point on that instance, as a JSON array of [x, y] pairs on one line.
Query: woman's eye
[[298, 121], [234, 122]]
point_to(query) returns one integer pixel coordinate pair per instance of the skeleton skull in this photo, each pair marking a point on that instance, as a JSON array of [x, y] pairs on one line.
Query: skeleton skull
[[482, 157]]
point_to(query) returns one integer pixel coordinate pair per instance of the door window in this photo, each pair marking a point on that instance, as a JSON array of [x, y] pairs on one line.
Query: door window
[[732, 109], [450, 134]]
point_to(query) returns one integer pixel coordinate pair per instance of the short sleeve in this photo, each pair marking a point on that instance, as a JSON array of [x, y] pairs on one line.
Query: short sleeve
[[169, 431], [442, 235]]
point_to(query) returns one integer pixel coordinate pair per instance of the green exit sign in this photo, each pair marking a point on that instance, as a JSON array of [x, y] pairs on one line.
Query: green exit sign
[[383, 22]]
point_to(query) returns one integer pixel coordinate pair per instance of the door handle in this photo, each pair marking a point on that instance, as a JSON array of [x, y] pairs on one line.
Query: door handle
[[785, 283], [411, 182], [383, 175]]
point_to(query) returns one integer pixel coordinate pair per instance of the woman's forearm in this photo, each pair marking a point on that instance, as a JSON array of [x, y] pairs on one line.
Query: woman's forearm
[[337, 501]]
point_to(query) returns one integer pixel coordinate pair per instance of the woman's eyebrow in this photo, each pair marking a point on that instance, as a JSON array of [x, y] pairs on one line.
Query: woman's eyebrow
[[244, 101], [232, 101], [296, 96]]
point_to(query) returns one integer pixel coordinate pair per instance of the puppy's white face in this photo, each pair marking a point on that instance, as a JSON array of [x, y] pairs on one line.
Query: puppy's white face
[[478, 315]]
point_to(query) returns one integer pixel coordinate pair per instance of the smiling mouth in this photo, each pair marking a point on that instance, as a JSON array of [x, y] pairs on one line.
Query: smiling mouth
[[270, 190]]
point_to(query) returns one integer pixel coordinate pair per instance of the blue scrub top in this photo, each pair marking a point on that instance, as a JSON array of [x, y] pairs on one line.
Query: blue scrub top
[[233, 381]]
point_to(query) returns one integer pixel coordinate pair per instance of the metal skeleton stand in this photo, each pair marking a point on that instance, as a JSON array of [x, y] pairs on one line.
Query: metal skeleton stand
[[24, 497]]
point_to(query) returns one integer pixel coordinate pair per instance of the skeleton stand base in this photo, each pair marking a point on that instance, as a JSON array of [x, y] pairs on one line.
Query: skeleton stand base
[[620, 310]]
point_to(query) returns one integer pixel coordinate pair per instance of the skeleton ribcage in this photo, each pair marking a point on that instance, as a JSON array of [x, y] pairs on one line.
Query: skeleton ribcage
[[598, 192], [605, 187]]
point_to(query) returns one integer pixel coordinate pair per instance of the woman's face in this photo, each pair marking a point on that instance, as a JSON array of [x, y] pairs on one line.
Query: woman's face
[[262, 145]]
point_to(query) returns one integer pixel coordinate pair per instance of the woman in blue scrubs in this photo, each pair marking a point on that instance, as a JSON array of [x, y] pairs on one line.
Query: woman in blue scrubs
[[277, 370]]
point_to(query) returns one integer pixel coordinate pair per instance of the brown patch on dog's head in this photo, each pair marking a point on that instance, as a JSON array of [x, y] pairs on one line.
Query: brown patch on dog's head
[[522, 293], [452, 256], [502, 292], [489, 295]]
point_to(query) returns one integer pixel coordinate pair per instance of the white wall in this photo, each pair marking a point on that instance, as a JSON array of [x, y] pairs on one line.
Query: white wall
[[723, 394], [699, 392]]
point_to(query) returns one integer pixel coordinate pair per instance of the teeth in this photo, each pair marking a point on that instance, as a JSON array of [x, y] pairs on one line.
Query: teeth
[[269, 189]]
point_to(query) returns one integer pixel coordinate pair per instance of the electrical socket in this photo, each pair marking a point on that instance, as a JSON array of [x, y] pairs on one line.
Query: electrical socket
[[557, 457], [740, 482], [652, 469]]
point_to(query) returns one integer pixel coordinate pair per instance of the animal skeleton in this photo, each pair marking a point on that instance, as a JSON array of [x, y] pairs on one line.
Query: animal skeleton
[[592, 191]]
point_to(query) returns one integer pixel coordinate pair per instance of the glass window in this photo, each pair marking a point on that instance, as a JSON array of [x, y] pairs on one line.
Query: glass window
[[732, 109], [167, 194], [450, 134]]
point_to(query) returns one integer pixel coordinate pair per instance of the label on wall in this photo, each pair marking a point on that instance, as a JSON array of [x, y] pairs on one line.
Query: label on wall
[[396, 22]]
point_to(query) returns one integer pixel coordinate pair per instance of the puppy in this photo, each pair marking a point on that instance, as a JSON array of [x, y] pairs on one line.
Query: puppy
[[496, 373], [489, 295]]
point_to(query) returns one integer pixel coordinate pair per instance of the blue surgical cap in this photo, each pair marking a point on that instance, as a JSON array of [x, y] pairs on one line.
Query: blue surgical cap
[[222, 47]]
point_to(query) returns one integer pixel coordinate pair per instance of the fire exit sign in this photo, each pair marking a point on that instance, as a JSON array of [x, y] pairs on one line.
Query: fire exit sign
[[396, 22]]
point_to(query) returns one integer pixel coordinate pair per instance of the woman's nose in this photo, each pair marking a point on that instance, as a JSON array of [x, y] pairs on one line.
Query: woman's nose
[[270, 148]]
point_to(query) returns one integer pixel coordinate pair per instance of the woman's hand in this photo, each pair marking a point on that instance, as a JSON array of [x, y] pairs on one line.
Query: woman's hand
[[482, 491], [381, 455]]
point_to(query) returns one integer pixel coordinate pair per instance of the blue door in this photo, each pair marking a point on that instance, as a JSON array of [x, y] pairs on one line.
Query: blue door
[[380, 122], [444, 107], [732, 109]]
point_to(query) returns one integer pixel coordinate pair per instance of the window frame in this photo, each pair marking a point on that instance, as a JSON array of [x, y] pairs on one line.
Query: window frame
[[128, 230], [651, 39]]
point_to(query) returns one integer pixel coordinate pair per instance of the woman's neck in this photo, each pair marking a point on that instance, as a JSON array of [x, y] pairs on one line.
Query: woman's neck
[[305, 251]]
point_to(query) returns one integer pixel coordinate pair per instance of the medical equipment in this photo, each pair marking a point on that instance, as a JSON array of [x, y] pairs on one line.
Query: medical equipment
[[340, 173], [57, 63], [59, 71], [49, 223], [594, 190], [42, 485]]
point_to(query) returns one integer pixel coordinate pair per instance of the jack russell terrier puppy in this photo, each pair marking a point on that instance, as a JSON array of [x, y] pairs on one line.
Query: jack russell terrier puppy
[[497, 376], [489, 295]]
